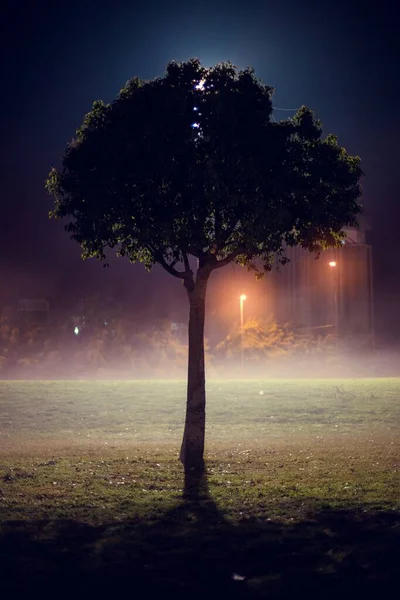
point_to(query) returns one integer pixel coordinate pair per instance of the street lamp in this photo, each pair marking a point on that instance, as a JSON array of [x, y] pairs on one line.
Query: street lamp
[[243, 297], [333, 265]]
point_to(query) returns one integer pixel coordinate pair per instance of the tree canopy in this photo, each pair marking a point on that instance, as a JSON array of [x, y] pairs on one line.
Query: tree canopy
[[193, 164]]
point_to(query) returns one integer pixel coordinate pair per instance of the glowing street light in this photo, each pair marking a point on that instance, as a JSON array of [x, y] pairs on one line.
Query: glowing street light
[[76, 330], [243, 297], [332, 263]]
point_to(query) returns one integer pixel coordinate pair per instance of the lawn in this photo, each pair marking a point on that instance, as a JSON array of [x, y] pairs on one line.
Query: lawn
[[151, 411], [302, 491]]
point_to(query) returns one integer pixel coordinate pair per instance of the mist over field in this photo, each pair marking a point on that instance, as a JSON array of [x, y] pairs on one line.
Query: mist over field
[[122, 348], [152, 366]]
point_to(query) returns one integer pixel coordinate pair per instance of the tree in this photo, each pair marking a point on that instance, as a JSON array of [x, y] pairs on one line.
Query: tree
[[261, 339], [272, 345], [191, 168]]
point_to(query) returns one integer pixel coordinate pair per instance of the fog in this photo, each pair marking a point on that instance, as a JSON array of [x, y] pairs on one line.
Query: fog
[[124, 323], [125, 350]]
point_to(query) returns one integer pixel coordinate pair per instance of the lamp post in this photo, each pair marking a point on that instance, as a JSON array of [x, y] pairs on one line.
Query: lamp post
[[333, 265], [242, 299]]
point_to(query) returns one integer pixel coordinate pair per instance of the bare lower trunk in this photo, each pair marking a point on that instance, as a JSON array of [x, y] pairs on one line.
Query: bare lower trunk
[[192, 449]]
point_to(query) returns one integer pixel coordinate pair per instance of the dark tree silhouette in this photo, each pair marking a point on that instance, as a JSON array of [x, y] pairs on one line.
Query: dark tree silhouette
[[191, 172]]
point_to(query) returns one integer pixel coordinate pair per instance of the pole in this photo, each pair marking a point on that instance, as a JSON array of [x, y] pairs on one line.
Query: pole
[[242, 299], [335, 283], [338, 295], [371, 297], [336, 314]]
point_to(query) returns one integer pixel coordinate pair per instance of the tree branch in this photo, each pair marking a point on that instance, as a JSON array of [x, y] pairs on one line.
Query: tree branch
[[169, 268], [186, 262], [227, 260], [229, 231]]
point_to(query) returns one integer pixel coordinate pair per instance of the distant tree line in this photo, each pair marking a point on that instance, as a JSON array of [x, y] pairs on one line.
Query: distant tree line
[[105, 342]]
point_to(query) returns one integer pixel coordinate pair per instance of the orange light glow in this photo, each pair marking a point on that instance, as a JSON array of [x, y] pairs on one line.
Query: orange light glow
[[243, 297], [332, 263]]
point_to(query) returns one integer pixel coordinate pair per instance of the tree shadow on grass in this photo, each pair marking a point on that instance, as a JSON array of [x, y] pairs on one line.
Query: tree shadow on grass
[[193, 551]]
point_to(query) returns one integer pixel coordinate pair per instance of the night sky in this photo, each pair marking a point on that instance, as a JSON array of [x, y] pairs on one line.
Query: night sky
[[56, 58]]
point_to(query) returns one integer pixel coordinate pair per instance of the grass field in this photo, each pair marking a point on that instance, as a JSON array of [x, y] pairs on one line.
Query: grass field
[[302, 492]]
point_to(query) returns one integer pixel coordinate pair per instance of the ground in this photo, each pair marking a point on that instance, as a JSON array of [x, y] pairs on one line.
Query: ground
[[301, 496]]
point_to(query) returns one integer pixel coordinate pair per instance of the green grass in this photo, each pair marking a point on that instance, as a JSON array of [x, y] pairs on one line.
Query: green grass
[[303, 488], [148, 411]]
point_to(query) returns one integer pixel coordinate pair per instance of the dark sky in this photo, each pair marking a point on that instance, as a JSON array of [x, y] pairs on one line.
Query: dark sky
[[57, 57]]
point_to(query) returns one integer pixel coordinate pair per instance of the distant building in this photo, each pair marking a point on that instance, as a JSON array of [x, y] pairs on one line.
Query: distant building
[[333, 292]]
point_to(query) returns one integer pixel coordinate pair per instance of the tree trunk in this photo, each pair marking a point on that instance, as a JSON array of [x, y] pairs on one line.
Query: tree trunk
[[192, 449]]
